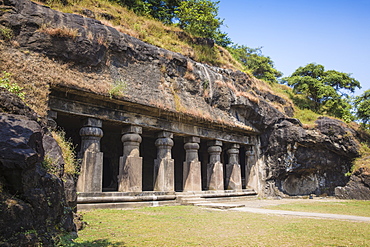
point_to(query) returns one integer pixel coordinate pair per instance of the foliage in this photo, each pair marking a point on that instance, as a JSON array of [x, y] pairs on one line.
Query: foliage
[[68, 152], [118, 89], [364, 160], [50, 165], [259, 65], [197, 17], [326, 90], [11, 87], [162, 10], [6, 33], [362, 103]]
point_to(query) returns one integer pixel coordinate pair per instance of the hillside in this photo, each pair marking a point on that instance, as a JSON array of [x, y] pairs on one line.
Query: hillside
[[149, 30]]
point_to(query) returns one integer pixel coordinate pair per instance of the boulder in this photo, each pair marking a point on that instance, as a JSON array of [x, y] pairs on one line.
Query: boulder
[[33, 209]]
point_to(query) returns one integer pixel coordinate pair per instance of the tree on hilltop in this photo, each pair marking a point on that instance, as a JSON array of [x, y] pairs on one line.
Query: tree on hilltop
[[260, 66], [327, 90], [362, 103]]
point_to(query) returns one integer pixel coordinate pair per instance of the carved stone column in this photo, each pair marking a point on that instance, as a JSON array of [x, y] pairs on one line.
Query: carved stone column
[[164, 165], [192, 169], [233, 172], [131, 164], [91, 174], [215, 171], [249, 166]]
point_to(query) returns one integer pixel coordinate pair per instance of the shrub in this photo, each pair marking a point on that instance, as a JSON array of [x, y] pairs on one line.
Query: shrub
[[6, 33], [118, 88], [11, 87], [68, 151]]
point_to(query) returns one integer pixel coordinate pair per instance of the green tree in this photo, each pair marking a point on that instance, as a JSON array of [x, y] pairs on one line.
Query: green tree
[[260, 66], [199, 17], [163, 10], [362, 104], [327, 90]]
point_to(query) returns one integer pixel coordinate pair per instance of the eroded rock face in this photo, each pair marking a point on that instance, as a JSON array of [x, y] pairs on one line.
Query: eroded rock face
[[33, 210], [358, 186], [302, 162]]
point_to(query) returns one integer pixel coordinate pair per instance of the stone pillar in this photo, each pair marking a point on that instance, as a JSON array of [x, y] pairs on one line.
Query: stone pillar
[[250, 173], [192, 169], [130, 175], [91, 175], [215, 171], [164, 165], [233, 179]]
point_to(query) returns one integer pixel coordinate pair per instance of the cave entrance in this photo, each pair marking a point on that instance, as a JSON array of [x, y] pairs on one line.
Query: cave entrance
[[148, 152], [178, 154]]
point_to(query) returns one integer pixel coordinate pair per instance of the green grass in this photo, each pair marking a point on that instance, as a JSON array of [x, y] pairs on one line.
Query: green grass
[[351, 207], [194, 226]]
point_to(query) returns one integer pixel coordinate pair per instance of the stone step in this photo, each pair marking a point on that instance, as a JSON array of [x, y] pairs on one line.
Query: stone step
[[220, 205], [231, 199], [190, 200]]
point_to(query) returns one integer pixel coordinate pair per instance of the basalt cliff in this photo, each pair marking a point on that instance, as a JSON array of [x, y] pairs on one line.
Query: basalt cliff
[[101, 63]]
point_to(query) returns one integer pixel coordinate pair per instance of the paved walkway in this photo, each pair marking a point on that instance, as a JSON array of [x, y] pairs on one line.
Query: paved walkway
[[302, 214], [256, 206]]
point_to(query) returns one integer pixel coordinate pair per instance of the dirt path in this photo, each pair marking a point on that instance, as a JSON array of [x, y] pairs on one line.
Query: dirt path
[[256, 206]]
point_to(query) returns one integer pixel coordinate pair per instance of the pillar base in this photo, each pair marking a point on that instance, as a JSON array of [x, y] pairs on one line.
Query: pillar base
[[233, 177], [130, 178], [164, 175], [215, 176], [192, 176], [91, 175]]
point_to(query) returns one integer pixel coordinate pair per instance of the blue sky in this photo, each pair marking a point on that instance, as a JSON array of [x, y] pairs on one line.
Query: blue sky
[[335, 34]]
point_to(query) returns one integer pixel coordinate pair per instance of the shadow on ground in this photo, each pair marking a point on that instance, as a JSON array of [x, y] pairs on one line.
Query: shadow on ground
[[93, 243]]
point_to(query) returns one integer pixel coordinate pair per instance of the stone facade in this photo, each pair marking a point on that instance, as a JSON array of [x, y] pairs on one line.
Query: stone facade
[[205, 158]]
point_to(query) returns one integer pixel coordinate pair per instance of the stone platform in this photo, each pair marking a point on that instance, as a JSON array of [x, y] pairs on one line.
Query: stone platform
[[120, 200]]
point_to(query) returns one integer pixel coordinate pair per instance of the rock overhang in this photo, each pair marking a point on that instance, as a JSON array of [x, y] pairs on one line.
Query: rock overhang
[[84, 104]]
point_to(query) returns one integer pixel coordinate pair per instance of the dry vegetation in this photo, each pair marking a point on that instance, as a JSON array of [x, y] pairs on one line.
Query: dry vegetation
[[35, 73], [68, 151], [61, 31], [149, 30]]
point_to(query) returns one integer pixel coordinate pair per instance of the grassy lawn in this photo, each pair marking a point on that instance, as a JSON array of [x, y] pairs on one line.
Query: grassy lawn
[[194, 226], [350, 207]]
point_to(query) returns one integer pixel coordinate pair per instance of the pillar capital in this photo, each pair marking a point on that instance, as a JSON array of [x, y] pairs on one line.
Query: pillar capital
[[192, 139], [131, 138], [132, 129], [165, 134], [214, 143], [92, 122], [235, 146], [91, 132]]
